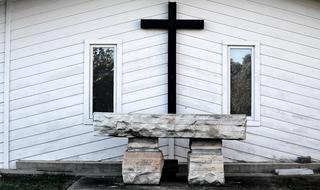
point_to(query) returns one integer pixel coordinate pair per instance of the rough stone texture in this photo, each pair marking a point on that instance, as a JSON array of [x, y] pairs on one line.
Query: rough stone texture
[[142, 167], [205, 165], [170, 125], [296, 171], [143, 144]]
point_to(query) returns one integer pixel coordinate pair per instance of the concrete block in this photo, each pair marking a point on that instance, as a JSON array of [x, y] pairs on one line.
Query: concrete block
[[294, 171]]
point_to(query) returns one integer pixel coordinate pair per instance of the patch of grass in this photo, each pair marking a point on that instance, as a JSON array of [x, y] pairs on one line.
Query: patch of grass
[[35, 182]]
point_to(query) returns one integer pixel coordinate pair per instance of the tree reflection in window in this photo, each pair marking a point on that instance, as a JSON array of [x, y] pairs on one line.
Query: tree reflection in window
[[103, 71], [240, 64]]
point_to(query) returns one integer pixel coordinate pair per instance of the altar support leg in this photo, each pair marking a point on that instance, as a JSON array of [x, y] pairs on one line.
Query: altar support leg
[[142, 162], [205, 162]]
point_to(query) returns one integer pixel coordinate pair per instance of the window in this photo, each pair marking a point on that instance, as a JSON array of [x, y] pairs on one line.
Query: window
[[241, 80], [102, 78]]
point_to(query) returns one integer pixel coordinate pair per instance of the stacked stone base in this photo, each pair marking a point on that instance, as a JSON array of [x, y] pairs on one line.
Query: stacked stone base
[[142, 162], [205, 162], [142, 167]]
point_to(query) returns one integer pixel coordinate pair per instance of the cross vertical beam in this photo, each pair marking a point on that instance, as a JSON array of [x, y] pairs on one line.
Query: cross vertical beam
[[172, 40], [172, 24]]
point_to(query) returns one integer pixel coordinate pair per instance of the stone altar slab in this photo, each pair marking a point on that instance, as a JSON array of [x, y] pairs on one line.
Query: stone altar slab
[[206, 126]]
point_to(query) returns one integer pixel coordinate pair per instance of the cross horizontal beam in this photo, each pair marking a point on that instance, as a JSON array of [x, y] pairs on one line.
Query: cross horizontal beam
[[165, 24]]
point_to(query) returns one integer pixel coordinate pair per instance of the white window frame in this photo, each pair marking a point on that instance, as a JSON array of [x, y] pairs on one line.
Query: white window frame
[[88, 76], [254, 119]]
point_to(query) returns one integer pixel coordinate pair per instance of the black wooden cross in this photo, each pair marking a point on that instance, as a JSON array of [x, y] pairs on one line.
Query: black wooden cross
[[172, 24]]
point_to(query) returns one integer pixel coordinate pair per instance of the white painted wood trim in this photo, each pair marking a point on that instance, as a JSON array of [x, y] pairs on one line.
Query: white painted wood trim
[[88, 74], [253, 121], [6, 114]]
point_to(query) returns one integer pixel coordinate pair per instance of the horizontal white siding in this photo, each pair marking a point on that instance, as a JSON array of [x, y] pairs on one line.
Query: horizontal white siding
[[289, 33], [46, 97], [2, 48], [46, 73]]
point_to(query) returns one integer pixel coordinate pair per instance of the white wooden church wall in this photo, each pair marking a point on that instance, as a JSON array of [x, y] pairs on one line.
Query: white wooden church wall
[[47, 74], [2, 47], [46, 77], [289, 33]]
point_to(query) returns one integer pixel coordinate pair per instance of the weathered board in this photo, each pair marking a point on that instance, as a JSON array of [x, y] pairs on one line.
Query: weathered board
[[170, 125]]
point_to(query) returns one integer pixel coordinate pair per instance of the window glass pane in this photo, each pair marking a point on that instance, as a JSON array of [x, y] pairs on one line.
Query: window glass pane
[[103, 71], [240, 68]]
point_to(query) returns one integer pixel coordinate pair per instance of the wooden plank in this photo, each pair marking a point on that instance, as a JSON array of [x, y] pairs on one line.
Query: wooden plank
[[144, 53], [258, 13], [152, 61], [27, 142], [17, 71], [291, 107], [308, 8], [290, 117], [18, 132], [78, 14], [46, 107], [289, 56], [46, 97], [99, 155], [198, 104], [156, 110], [274, 143], [145, 84], [61, 16], [181, 152], [192, 41], [289, 138], [290, 97], [189, 61], [133, 45], [145, 104], [47, 117], [93, 25], [66, 147], [48, 56], [22, 50], [188, 110], [208, 11], [265, 152], [290, 86], [288, 76], [144, 94], [199, 74], [264, 39], [198, 53], [184, 143], [241, 156], [198, 94], [144, 73], [291, 67], [290, 127], [25, 9], [47, 76], [46, 87], [170, 125], [198, 83]]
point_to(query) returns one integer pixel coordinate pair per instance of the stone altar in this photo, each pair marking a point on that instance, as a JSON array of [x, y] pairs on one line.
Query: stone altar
[[143, 161]]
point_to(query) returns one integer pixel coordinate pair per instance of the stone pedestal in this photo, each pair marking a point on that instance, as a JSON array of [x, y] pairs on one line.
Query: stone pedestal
[[205, 162], [142, 162]]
